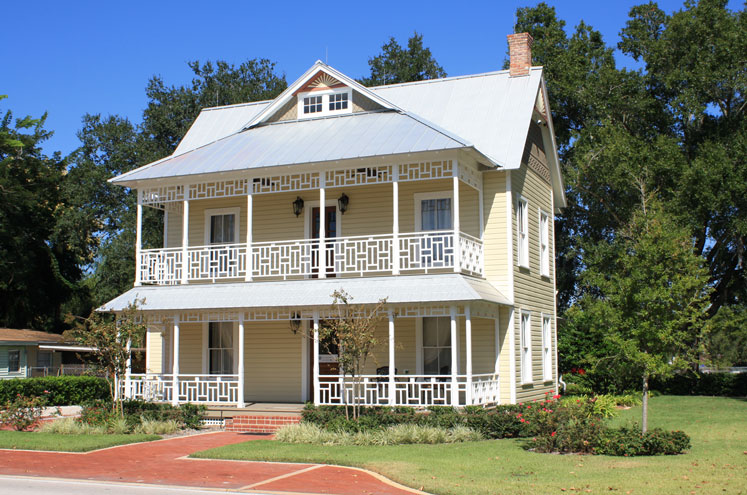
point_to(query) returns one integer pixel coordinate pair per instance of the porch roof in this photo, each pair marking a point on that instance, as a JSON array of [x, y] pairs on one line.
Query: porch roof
[[411, 289]]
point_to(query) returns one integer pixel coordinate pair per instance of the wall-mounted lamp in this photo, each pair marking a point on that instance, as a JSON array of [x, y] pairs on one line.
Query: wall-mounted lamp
[[295, 322], [342, 203], [297, 206]]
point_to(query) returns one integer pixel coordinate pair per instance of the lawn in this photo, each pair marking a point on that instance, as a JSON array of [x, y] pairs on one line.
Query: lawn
[[717, 462], [66, 443]]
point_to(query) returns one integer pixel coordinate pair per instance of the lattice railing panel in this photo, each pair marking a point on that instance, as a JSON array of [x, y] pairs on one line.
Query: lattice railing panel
[[426, 251]]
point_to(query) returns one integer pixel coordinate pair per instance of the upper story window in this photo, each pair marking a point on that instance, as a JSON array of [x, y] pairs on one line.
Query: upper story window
[[544, 245], [522, 225], [321, 103]]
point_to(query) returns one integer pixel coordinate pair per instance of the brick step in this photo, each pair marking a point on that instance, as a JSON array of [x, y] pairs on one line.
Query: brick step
[[255, 423]]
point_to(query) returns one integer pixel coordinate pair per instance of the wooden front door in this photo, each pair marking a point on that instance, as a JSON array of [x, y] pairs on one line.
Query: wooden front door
[[330, 232]]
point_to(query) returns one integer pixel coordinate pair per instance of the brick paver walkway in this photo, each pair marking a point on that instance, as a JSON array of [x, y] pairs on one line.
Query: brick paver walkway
[[164, 462]]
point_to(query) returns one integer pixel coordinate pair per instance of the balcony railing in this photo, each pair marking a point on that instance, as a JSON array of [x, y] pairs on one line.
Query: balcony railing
[[418, 252]]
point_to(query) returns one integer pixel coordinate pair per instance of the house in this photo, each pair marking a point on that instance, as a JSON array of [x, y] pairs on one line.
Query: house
[[27, 353], [437, 195]]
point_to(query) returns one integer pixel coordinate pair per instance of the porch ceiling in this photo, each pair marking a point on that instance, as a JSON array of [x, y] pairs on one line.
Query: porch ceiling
[[412, 289]]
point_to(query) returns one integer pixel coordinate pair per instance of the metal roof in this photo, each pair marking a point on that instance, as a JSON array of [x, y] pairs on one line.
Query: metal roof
[[341, 137], [218, 122], [443, 288], [493, 111]]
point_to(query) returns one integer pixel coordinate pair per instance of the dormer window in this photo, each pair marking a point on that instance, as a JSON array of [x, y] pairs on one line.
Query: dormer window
[[324, 102]]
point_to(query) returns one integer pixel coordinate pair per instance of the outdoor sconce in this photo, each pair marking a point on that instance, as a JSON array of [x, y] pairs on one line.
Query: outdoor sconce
[[295, 322], [297, 206], [342, 203]]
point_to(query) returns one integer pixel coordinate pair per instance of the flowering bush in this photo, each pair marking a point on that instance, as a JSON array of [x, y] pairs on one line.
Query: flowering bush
[[571, 426], [631, 442], [23, 412]]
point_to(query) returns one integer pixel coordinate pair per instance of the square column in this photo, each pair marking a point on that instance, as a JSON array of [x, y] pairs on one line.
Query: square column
[[128, 371], [316, 358], [175, 368], [249, 227], [392, 394], [454, 358], [322, 252], [395, 220], [138, 241], [457, 227], [240, 367], [185, 238], [468, 352]]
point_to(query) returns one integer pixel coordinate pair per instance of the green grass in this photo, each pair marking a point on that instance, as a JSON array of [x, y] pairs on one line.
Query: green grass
[[717, 462], [66, 443]]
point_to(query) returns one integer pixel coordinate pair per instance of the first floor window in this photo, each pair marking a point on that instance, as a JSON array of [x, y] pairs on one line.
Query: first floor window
[[526, 348], [14, 361], [44, 359], [312, 104], [220, 348], [546, 349], [437, 346]]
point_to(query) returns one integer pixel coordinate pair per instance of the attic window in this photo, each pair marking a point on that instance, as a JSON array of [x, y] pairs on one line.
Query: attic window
[[312, 104], [338, 101]]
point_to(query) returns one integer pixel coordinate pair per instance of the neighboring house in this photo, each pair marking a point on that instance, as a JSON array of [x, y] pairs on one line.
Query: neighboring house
[[437, 195], [25, 353]]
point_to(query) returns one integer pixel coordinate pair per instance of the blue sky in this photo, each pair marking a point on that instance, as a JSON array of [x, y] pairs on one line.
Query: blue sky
[[72, 58]]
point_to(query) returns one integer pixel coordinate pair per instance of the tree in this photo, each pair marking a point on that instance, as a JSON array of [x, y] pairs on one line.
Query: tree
[[726, 337], [647, 297], [397, 65], [352, 330], [112, 338]]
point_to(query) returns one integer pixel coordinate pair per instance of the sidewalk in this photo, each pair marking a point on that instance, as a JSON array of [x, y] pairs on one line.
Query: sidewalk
[[164, 462]]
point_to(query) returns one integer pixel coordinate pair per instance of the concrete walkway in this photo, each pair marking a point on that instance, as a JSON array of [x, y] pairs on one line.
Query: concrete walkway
[[164, 462]]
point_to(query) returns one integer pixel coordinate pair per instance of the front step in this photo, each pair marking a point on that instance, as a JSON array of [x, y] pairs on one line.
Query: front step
[[260, 423]]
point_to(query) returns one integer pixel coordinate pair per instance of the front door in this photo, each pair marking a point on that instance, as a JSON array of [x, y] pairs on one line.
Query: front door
[[330, 232]]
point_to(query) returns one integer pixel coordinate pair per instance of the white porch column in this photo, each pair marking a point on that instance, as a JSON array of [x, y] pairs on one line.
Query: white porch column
[[249, 233], [457, 228], [322, 234], [512, 355], [175, 368], [454, 358], [185, 237], [497, 330], [468, 352], [392, 395], [240, 367], [138, 241], [481, 210], [395, 220], [128, 370], [316, 358]]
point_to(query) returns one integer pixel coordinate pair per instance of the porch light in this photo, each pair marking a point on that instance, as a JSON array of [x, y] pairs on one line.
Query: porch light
[[295, 322], [342, 203], [297, 206]]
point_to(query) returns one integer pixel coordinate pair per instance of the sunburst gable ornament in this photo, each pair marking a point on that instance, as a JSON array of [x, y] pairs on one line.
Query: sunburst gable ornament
[[324, 80]]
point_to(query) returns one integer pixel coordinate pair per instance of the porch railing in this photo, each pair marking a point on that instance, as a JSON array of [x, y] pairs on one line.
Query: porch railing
[[198, 389], [417, 252]]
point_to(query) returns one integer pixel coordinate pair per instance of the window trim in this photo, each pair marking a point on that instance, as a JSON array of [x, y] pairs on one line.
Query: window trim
[[544, 258], [325, 94], [525, 351], [419, 197], [522, 223], [211, 212], [18, 368], [546, 347], [206, 346], [421, 338]]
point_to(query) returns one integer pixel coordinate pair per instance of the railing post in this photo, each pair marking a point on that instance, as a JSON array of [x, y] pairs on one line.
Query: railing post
[[249, 227], [456, 248], [468, 352], [392, 395], [175, 368], [454, 358], [185, 236], [322, 250], [240, 367], [316, 358], [138, 241], [395, 220]]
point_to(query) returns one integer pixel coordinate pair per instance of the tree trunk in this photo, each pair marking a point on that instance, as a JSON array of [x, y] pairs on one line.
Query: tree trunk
[[644, 403]]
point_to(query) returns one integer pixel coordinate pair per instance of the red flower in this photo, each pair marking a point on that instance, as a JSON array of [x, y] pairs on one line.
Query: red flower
[[552, 434], [581, 371]]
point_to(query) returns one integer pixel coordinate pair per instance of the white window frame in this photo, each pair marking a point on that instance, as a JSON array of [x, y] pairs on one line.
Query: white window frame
[[325, 94], [525, 339], [544, 243], [546, 347], [206, 347], [209, 213], [522, 231], [421, 338], [419, 197]]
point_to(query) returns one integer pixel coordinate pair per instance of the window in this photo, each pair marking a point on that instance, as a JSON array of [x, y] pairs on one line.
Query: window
[[526, 347], [44, 359], [14, 361], [220, 348], [312, 104], [544, 235], [522, 224], [437, 346], [222, 229], [546, 356], [338, 101], [433, 214]]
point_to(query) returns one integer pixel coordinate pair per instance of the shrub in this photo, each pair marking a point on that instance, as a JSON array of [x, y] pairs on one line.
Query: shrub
[[23, 412], [502, 422], [628, 400], [569, 427], [394, 435], [717, 384], [629, 441], [61, 390], [156, 427], [186, 415], [97, 413], [70, 426]]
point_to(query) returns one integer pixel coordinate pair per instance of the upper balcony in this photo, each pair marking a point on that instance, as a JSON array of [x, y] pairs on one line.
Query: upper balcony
[[403, 219]]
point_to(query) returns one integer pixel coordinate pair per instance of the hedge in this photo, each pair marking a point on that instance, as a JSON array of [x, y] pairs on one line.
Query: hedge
[[62, 390], [718, 384]]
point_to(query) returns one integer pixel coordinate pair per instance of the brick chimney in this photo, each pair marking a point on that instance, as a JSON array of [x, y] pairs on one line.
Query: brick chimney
[[520, 53]]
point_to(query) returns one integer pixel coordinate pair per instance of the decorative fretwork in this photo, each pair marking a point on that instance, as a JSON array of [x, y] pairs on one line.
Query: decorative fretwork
[[286, 183], [219, 189], [358, 176], [161, 194], [541, 168], [426, 170]]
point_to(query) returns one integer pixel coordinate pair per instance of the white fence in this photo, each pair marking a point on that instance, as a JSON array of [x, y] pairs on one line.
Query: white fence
[[420, 252], [198, 389]]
